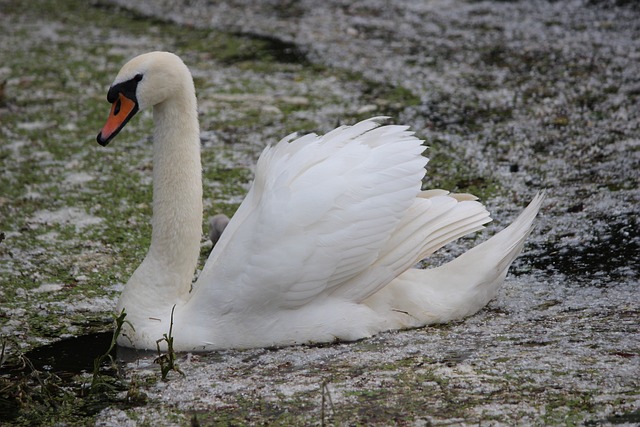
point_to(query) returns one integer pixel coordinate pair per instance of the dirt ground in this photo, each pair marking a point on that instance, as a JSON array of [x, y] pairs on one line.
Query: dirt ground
[[511, 97]]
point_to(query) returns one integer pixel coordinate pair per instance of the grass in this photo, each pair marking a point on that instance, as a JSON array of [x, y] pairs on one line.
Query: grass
[[53, 105], [97, 380], [61, 57], [167, 361], [30, 395]]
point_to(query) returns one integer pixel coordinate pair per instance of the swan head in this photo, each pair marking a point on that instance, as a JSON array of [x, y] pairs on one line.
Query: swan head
[[145, 81]]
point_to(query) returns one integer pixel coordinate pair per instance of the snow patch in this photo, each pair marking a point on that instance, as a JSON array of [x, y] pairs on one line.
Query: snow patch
[[66, 216]]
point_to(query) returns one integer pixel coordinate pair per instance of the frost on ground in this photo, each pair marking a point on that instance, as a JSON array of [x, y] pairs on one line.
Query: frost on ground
[[511, 97]]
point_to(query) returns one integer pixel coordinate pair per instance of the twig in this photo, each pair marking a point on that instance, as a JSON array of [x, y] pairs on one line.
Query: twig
[[325, 392], [97, 381], [167, 361]]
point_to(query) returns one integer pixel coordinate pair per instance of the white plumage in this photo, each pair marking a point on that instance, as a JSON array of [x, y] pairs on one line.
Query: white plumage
[[320, 249]]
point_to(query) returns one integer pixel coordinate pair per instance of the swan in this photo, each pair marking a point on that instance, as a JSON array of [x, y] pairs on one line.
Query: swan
[[321, 249]]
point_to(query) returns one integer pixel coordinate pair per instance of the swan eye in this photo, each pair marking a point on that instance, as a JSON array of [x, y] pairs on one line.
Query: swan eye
[[127, 88]]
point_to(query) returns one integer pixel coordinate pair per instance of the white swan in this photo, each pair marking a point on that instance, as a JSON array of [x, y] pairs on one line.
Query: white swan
[[321, 248]]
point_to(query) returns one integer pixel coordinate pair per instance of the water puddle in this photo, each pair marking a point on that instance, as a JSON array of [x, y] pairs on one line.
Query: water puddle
[[62, 374], [70, 356]]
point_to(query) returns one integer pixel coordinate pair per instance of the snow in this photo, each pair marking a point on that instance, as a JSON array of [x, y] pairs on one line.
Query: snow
[[549, 87]]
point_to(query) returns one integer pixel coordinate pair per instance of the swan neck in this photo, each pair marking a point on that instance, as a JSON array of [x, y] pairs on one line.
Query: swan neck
[[177, 193]]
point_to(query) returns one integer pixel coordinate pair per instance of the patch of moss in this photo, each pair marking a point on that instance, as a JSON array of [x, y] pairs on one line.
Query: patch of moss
[[443, 172]]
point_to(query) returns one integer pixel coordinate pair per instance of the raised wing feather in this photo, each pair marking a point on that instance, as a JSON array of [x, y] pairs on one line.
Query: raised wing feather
[[318, 214]]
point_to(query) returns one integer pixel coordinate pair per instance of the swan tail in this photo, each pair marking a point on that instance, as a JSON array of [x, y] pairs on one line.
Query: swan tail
[[435, 218], [459, 288]]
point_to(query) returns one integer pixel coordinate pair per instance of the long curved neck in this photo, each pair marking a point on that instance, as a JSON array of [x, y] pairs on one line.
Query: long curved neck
[[164, 277], [177, 187]]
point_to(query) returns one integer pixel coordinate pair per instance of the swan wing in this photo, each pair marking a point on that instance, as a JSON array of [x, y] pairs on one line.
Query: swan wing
[[435, 219], [319, 213]]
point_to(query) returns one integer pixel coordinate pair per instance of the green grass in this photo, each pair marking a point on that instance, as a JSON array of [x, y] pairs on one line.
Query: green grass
[[61, 57]]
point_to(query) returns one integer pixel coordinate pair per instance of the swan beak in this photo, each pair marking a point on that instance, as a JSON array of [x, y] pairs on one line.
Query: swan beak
[[121, 111]]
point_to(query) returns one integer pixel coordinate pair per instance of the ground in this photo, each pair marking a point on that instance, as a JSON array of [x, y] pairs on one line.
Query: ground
[[511, 97]]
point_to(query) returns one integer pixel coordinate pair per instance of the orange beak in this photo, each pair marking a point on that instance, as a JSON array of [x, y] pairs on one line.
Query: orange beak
[[121, 111]]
